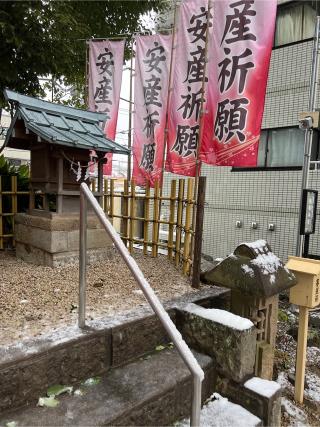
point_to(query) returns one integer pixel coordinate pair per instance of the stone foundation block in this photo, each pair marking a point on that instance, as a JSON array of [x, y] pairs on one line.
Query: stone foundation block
[[230, 339], [54, 241], [261, 397]]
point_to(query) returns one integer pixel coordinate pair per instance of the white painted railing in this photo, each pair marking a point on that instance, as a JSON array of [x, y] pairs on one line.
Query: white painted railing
[[86, 197]]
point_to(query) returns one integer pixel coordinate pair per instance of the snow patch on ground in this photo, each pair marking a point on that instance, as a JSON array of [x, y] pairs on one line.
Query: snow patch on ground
[[313, 390], [219, 412], [220, 316], [263, 387], [298, 418], [313, 356]]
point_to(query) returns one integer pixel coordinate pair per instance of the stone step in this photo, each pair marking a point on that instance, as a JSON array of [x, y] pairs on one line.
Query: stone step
[[151, 391], [68, 355], [220, 412]]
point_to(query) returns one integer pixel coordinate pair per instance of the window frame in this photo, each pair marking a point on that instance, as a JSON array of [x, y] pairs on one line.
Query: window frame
[[288, 5], [278, 168]]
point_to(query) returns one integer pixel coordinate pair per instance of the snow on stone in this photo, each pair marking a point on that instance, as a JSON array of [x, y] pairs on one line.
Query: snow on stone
[[258, 244], [263, 387], [268, 263], [219, 412], [220, 316], [248, 270], [299, 418]]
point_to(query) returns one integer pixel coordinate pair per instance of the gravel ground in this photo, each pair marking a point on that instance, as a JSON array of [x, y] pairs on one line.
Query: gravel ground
[[293, 413], [36, 299]]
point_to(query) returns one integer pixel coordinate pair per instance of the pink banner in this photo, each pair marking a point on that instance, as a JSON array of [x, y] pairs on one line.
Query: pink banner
[[152, 61], [239, 56], [185, 102], [105, 75]]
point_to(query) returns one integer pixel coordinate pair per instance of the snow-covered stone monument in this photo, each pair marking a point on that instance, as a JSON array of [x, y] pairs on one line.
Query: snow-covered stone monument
[[255, 276]]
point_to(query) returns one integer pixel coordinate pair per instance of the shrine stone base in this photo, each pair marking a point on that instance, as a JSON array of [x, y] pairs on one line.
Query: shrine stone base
[[53, 240]]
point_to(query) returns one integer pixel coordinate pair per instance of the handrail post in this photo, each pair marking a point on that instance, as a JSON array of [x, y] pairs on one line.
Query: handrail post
[[196, 402], [82, 260], [86, 197]]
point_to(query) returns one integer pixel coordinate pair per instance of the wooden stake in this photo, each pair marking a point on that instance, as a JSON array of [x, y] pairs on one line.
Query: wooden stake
[[111, 211], [196, 257], [171, 217], [187, 235], [132, 210], [301, 353], [1, 218], [100, 182], [179, 220], [14, 189], [105, 197], [155, 224], [125, 209], [146, 219]]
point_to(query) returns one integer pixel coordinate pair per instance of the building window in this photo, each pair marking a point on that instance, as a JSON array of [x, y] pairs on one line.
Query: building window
[[284, 147], [295, 21]]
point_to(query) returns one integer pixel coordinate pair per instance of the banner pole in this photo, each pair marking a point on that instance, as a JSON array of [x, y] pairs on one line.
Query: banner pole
[[169, 92], [86, 85], [130, 113], [167, 114], [202, 113]]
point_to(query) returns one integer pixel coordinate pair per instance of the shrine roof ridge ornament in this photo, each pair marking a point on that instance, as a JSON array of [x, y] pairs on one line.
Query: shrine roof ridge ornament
[[60, 124]]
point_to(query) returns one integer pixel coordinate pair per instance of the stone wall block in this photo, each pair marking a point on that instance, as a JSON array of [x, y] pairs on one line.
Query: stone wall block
[[138, 338], [22, 382], [233, 349]]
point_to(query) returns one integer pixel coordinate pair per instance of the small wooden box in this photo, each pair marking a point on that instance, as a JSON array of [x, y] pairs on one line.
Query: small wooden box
[[307, 272]]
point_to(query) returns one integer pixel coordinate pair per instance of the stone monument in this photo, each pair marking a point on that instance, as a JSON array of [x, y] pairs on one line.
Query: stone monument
[[255, 276]]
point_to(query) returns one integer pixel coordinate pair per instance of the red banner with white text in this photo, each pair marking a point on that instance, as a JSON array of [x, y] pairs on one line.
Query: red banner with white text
[[152, 64], [185, 102], [239, 56], [105, 75]]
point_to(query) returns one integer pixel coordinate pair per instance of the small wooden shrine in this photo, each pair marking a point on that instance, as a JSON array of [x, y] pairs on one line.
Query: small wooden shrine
[[67, 145]]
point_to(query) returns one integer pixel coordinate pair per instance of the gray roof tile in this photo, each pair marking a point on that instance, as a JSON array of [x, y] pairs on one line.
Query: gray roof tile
[[63, 125]]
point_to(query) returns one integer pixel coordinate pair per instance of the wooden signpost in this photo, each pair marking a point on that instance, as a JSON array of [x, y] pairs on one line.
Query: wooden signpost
[[306, 295]]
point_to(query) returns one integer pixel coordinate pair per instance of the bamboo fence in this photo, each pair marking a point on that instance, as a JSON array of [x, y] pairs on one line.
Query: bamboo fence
[[135, 212], [9, 198], [178, 206]]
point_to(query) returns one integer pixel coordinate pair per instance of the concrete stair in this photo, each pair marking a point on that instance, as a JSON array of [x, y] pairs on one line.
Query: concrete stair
[[151, 391], [143, 379]]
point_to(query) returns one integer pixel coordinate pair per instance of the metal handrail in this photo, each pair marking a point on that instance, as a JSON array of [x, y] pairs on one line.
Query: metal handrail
[[184, 351]]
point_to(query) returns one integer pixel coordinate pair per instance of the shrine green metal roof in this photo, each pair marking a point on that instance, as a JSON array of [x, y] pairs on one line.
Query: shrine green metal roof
[[62, 125]]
